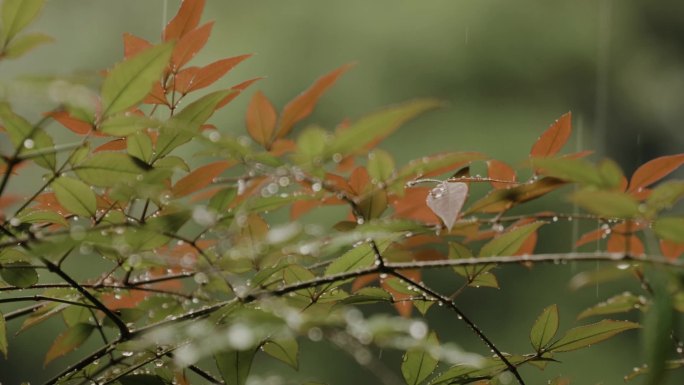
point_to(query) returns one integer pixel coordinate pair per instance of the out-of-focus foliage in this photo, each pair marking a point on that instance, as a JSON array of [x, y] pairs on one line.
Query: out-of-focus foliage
[[203, 259]]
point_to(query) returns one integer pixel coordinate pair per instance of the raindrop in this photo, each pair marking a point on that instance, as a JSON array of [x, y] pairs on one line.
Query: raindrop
[[29, 143]]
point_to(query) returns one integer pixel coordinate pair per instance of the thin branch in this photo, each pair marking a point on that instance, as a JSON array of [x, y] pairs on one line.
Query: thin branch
[[462, 317], [546, 258], [46, 299], [123, 329], [84, 362]]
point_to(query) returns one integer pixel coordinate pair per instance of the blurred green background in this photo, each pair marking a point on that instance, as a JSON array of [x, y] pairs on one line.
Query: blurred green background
[[507, 70]]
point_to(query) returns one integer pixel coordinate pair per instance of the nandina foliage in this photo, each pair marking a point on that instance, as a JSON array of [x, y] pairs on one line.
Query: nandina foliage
[[210, 260]]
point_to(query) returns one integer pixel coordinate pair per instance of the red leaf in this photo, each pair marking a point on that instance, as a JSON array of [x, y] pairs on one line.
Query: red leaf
[[501, 171], [239, 88], [199, 178], [134, 45], [195, 78], [413, 206], [301, 106], [261, 119], [654, 170], [188, 46], [671, 250], [553, 139], [186, 19], [76, 125], [114, 145]]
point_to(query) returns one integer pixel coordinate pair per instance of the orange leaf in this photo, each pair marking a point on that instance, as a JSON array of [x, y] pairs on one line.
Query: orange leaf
[[302, 207], [301, 106], [134, 45], [671, 250], [591, 236], [282, 146], [654, 170], [186, 19], [553, 139], [239, 88], [114, 145], [364, 281], [261, 119], [195, 78], [188, 46], [199, 178], [412, 206], [359, 180], [68, 340], [618, 243], [156, 95], [76, 125], [338, 183], [48, 201], [501, 171]]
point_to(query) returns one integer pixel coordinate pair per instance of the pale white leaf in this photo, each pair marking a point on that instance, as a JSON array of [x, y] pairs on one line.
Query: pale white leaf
[[446, 200]]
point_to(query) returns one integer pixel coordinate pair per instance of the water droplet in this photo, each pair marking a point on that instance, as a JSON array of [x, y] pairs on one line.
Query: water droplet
[[623, 266], [29, 143], [127, 354]]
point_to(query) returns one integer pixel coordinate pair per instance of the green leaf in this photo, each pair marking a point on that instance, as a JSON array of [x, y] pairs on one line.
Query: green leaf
[[577, 170], [199, 111], [75, 196], [234, 366], [659, 323], [142, 379], [16, 275], [17, 15], [670, 228], [380, 165], [607, 203], [124, 125], [310, 147], [544, 328], [139, 145], [665, 195], [583, 336], [25, 136], [68, 340], [510, 241], [131, 80], [41, 216], [418, 364], [359, 257], [377, 126], [621, 303], [106, 169], [3, 335], [285, 350], [368, 295], [484, 279], [295, 274], [18, 47]]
